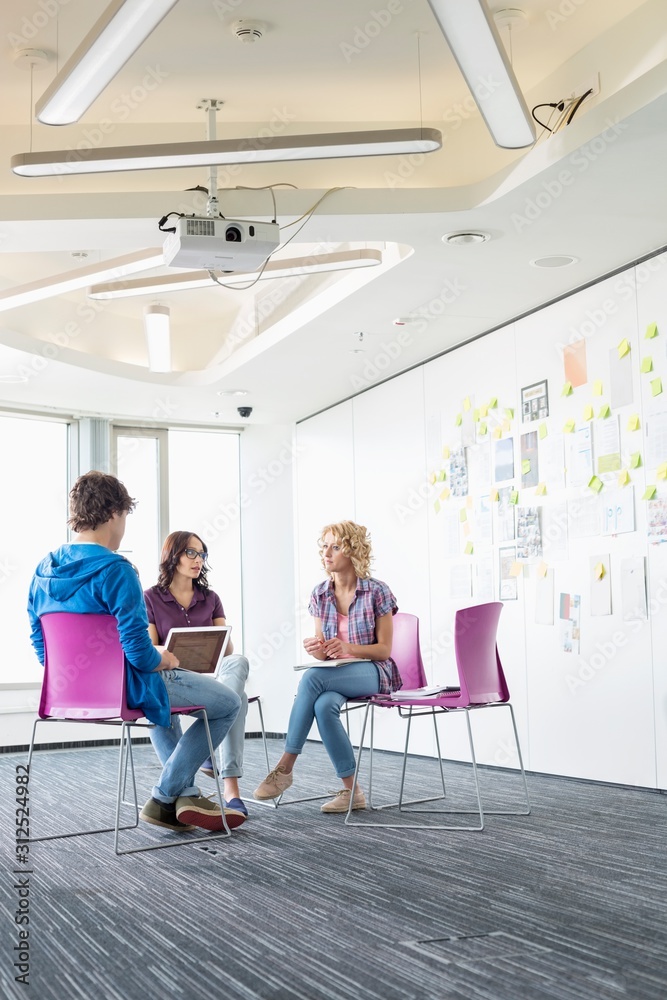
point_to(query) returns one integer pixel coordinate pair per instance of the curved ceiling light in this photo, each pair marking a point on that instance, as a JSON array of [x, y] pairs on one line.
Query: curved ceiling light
[[478, 49], [158, 338]]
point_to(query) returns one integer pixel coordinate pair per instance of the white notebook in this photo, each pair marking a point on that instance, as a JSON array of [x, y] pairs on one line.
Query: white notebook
[[327, 663]]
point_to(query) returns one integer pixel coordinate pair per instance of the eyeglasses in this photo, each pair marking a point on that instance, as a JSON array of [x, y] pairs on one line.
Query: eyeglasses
[[193, 554]]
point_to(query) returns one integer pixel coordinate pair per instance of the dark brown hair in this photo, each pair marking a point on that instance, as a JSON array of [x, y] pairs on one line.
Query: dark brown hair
[[95, 498], [174, 546]]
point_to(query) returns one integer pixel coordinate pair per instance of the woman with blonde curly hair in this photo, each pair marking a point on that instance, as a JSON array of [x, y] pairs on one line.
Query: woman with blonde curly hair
[[353, 622]]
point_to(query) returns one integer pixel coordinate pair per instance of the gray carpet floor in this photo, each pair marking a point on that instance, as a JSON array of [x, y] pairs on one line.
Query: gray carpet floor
[[568, 903]]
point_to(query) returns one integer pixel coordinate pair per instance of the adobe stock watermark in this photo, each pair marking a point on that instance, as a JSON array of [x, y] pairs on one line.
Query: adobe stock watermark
[[31, 26], [565, 10], [272, 642], [552, 190], [363, 34]]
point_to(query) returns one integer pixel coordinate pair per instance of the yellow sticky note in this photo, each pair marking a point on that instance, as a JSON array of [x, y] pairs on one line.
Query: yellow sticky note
[[635, 459], [649, 493], [483, 411], [514, 496], [483, 429], [466, 403], [509, 413], [458, 420], [662, 471], [517, 569], [623, 348], [542, 431], [542, 569], [567, 389], [597, 387], [436, 506], [569, 427], [445, 493], [604, 411], [623, 478], [656, 386], [463, 515], [469, 548], [525, 467], [495, 496], [445, 451], [475, 416], [493, 403], [595, 484], [599, 571], [588, 413], [497, 433], [541, 490], [442, 475], [431, 478], [651, 331], [506, 426], [633, 422], [646, 365]]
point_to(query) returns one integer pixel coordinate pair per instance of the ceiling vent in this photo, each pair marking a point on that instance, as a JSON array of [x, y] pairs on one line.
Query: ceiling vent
[[248, 31]]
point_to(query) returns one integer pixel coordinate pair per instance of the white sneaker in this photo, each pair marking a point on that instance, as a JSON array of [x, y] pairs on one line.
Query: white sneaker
[[340, 803]]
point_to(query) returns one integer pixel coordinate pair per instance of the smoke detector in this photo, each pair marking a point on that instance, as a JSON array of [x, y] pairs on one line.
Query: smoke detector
[[248, 31]]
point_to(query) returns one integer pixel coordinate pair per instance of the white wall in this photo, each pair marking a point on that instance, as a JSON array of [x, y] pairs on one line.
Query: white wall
[[599, 712]]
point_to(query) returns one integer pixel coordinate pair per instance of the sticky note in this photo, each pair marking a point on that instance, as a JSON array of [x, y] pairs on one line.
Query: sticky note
[[599, 571], [509, 413], [633, 422], [541, 490], [542, 431], [542, 569], [445, 493], [431, 478], [597, 387], [604, 411], [469, 548], [493, 403], [514, 496], [483, 411], [506, 426], [588, 413], [517, 569], [569, 427], [497, 433], [525, 467], [463, 515], [458, 420], [475, 416], [469, 502], [442, 475], [623, 478], [656, 386], [436, 506], [567, 389], [483, 429], [445, 451], [595, 484], [466, 528], [662, 471], [466, 403], [623, 348], [635, 459], [649, 493], [494, 496], [651, 331], [646, 365]]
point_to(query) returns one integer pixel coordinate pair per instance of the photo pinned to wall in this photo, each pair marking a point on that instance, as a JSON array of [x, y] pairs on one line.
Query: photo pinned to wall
[[503, 460], [530, 475], [657, 521], [508, 587], [570, 622], [505, 515], [528, 533], [535, 402], [458, 472], [575, 366]]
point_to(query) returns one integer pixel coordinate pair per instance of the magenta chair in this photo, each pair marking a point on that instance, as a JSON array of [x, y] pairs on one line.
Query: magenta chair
[[482, 684], [84, 681]]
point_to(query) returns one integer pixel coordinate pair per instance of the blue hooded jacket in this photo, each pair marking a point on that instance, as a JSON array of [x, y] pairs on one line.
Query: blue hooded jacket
[[87, 578]]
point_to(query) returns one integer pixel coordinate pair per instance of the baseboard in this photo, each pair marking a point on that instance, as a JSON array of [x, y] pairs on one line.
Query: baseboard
[[136, 741]]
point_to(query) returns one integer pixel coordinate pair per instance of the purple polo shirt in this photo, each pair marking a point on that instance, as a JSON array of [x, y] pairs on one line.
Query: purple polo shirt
[[165, 612]]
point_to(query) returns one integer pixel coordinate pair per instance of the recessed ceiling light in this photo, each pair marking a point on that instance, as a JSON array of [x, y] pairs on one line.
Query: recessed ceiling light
[[555, 260], [464, 238], [11, 379], [232, 392]]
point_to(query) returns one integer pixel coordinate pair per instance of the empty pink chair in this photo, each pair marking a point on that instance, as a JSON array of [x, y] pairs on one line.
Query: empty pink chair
[[84, 681], [482, 685]]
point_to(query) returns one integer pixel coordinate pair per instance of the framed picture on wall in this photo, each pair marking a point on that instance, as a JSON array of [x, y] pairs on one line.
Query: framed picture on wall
[[535, 401]]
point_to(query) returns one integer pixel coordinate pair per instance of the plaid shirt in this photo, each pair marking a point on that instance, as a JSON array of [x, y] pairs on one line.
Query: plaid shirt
[[372, 600]]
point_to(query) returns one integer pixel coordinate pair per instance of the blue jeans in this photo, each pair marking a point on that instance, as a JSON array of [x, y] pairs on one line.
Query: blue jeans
[[233, 673], [181, 754], [321, 694]]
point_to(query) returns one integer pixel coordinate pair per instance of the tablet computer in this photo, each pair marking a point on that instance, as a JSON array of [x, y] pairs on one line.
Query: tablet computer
[[199, 648]]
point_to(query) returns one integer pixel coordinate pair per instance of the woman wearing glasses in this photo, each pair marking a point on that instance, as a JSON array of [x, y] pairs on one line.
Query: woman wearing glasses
[[183, 598]]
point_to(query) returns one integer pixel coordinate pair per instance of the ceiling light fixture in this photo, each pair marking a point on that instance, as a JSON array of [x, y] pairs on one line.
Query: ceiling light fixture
[[288, 268], [158, 340], [120, 31], [232, 392], [556, 260], [465, 238], [478, 49], [59, 284], [222, 152]]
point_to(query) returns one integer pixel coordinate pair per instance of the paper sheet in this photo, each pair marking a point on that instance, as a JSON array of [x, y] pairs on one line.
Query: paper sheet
[[600, 584], [633, 588]]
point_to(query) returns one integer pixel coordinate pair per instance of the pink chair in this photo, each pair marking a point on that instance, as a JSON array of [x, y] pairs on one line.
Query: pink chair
[[482, 684], [84, 681]]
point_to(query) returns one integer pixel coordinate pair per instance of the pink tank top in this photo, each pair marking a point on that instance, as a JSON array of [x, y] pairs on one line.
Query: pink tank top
[[344, 632]]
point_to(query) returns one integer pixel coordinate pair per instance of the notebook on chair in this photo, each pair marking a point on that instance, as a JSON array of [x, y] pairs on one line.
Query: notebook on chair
[[200, 648]]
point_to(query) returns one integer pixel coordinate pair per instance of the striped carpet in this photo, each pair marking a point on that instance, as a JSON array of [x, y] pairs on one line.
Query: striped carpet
[[568, 903]]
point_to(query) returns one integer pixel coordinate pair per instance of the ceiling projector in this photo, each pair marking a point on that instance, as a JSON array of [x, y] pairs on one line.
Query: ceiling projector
[[220, 244]]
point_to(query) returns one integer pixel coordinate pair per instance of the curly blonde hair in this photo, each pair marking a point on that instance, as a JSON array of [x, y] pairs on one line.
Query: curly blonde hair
[[354, 541]]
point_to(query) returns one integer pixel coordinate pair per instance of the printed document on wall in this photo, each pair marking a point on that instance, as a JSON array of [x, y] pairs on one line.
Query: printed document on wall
[[633, 588]]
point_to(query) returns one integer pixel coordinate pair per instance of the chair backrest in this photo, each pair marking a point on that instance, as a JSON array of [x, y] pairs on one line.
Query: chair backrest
[[405, 651], [480, 672], [84, 668]]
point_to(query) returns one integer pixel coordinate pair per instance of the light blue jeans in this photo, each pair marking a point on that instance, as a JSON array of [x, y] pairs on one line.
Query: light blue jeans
[[233, 673], [321, 694], [181, 754]]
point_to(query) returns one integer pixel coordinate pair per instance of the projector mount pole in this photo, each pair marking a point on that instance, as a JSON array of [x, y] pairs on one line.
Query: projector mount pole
[[211, 105]]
